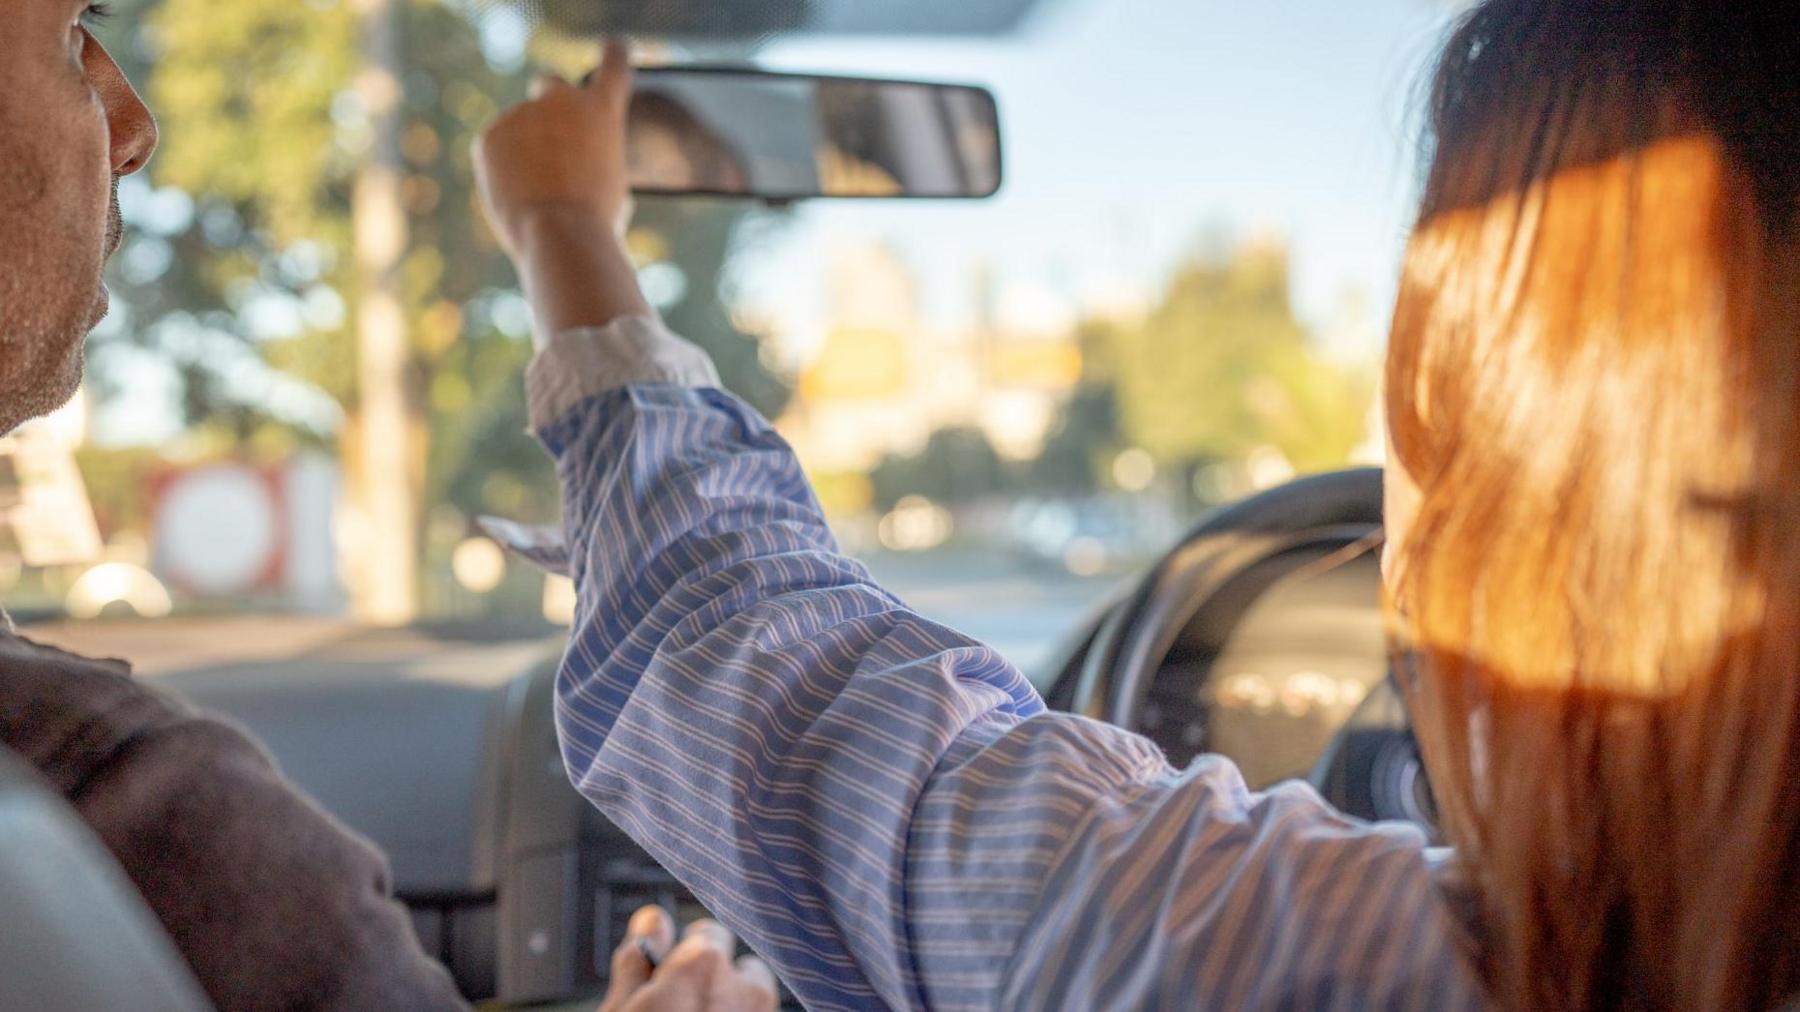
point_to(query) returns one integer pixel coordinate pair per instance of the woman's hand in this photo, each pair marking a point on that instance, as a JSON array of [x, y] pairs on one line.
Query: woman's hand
[[552, 176], [560, 155], [694, 976]]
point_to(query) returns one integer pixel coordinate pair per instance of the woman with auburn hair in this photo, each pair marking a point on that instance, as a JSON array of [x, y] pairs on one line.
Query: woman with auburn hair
[[1594, 403], [1594, 496]]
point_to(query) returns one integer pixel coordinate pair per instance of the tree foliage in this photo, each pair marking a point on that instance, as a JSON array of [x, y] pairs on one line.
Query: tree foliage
[[236, 273], [957, 465], [1222, 367]]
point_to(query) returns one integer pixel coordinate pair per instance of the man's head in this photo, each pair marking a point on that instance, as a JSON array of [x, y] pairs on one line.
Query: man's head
[[70, 126]]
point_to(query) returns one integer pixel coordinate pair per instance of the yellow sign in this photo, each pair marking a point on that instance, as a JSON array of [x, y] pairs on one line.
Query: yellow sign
[[857, 364]]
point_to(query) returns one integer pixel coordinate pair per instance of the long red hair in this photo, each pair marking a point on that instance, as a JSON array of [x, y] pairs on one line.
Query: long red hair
[[1594, 382]]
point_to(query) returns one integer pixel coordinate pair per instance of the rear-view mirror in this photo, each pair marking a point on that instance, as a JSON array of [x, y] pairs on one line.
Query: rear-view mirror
[[783, 137]]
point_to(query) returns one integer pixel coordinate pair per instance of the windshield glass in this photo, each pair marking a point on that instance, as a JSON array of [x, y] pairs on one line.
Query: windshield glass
[[309, 388]]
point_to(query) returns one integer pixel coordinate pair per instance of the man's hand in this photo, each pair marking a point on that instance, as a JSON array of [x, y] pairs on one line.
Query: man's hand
[[560, 155], [695, 976], [552, 177]]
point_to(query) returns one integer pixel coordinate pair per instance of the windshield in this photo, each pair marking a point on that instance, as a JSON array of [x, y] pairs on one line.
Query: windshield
[[1008, 406]]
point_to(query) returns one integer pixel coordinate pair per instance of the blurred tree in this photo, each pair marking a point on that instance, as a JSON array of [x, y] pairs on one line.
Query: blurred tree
[[956, 466], [237, 275], [117, 481], [1084, 437], [1222, 367], [1087, 431], [1219, 369], [213, 278]]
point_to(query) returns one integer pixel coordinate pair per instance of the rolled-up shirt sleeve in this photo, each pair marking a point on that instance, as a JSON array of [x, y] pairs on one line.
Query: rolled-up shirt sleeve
[[878, 804]]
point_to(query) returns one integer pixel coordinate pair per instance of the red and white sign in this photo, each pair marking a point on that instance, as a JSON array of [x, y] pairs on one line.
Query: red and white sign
[[221, 530]]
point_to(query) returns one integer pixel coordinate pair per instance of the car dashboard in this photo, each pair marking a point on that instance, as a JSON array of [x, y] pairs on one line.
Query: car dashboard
[[443, 752]]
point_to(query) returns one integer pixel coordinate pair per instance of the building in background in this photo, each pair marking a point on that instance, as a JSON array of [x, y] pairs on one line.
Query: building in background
[[884, 378]]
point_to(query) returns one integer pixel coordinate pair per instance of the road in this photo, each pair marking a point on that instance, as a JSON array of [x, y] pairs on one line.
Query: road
[[1026, 611]]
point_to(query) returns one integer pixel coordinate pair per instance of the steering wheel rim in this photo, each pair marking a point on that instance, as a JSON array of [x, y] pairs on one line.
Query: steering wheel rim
[[1135, 637]]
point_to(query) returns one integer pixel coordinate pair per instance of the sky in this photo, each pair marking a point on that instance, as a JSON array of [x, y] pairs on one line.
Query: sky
[[1136, 129]]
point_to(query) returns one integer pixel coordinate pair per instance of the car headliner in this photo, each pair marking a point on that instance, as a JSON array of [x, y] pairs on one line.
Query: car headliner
[[756, 19]]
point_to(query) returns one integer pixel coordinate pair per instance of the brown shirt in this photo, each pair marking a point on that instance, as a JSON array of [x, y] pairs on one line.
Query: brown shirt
[[275, 904]]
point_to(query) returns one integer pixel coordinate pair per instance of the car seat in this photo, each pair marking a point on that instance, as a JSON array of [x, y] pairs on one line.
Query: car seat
[[75, 936]]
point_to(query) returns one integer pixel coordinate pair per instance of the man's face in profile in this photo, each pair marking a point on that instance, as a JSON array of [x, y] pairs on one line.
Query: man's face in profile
[[70, 126]]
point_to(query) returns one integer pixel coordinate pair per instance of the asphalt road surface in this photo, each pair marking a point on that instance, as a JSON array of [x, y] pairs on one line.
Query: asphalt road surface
[[1027, 611]]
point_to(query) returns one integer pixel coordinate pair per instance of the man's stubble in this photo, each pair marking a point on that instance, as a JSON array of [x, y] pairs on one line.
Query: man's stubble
[[51, 291]]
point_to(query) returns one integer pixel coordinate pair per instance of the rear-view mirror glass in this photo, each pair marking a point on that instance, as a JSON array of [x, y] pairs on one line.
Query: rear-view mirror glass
[[792, 137]]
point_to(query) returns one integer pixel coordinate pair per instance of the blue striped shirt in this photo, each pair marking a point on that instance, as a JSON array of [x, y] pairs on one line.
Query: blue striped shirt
[[881, 806]]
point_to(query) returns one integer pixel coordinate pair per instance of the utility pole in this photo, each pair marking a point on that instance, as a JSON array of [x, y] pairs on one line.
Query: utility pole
[[384, 570]]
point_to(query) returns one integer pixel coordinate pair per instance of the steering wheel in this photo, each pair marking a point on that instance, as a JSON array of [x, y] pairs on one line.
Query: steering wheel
[[1181, 597], [1145, 665]]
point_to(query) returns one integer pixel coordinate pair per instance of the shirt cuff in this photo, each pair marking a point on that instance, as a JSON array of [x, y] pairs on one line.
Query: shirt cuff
[[582, 362]]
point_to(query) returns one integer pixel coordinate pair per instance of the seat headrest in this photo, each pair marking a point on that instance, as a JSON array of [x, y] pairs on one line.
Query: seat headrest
[[77, 935]]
